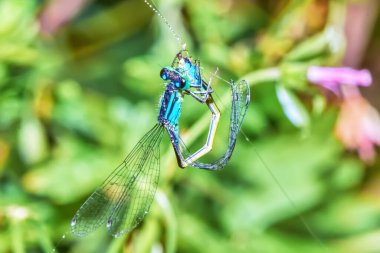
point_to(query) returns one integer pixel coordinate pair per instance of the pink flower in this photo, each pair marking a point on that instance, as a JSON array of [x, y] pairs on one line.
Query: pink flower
[[332, 78], [58, 12], [358, 126]]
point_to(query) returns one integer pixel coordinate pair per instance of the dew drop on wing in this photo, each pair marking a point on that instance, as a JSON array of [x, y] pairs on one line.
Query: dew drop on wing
[[73, 221], [109, 224]]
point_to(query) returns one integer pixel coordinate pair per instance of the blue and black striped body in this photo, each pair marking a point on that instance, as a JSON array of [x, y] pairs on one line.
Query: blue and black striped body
[[170, 107]]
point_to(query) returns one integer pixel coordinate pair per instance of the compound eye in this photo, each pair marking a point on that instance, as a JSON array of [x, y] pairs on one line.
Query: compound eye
[[183, 83], [164, 74]]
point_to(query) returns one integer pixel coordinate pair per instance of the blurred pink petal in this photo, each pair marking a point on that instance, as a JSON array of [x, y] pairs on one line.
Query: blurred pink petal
[[332, 78], [358, 127], [58, 12]]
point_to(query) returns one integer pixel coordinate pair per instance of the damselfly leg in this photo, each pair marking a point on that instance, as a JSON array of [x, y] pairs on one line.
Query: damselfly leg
[[188, 159]]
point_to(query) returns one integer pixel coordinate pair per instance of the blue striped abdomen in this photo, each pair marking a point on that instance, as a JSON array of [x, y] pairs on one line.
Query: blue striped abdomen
[[170, 107]]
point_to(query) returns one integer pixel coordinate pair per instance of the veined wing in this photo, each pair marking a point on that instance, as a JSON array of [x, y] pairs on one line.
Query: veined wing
[[240, 100], [125, 197]]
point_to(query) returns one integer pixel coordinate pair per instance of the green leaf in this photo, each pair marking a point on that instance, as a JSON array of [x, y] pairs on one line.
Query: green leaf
[[32, 140]]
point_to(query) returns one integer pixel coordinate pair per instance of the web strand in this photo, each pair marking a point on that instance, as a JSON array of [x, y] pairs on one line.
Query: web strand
[[153, 7], [292, 203]]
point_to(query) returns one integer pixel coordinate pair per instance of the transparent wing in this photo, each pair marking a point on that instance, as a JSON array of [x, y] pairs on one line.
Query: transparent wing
[[125, 197], [240, 101]]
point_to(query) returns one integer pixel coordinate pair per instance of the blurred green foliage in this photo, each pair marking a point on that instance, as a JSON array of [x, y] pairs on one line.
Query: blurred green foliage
[[74, 102]]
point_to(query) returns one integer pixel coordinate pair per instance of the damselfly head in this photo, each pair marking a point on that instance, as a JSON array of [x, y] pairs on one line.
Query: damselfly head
[[180, 82], [165, 73], [175, 77]]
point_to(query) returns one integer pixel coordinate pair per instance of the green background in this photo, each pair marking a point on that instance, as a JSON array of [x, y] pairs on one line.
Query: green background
[[74, 102]]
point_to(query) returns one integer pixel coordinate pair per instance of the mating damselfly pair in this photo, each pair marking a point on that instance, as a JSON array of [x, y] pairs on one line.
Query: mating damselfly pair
[[125, 197]]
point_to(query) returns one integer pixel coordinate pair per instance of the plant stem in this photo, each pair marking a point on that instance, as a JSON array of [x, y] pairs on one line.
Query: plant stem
[[262, 76]]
